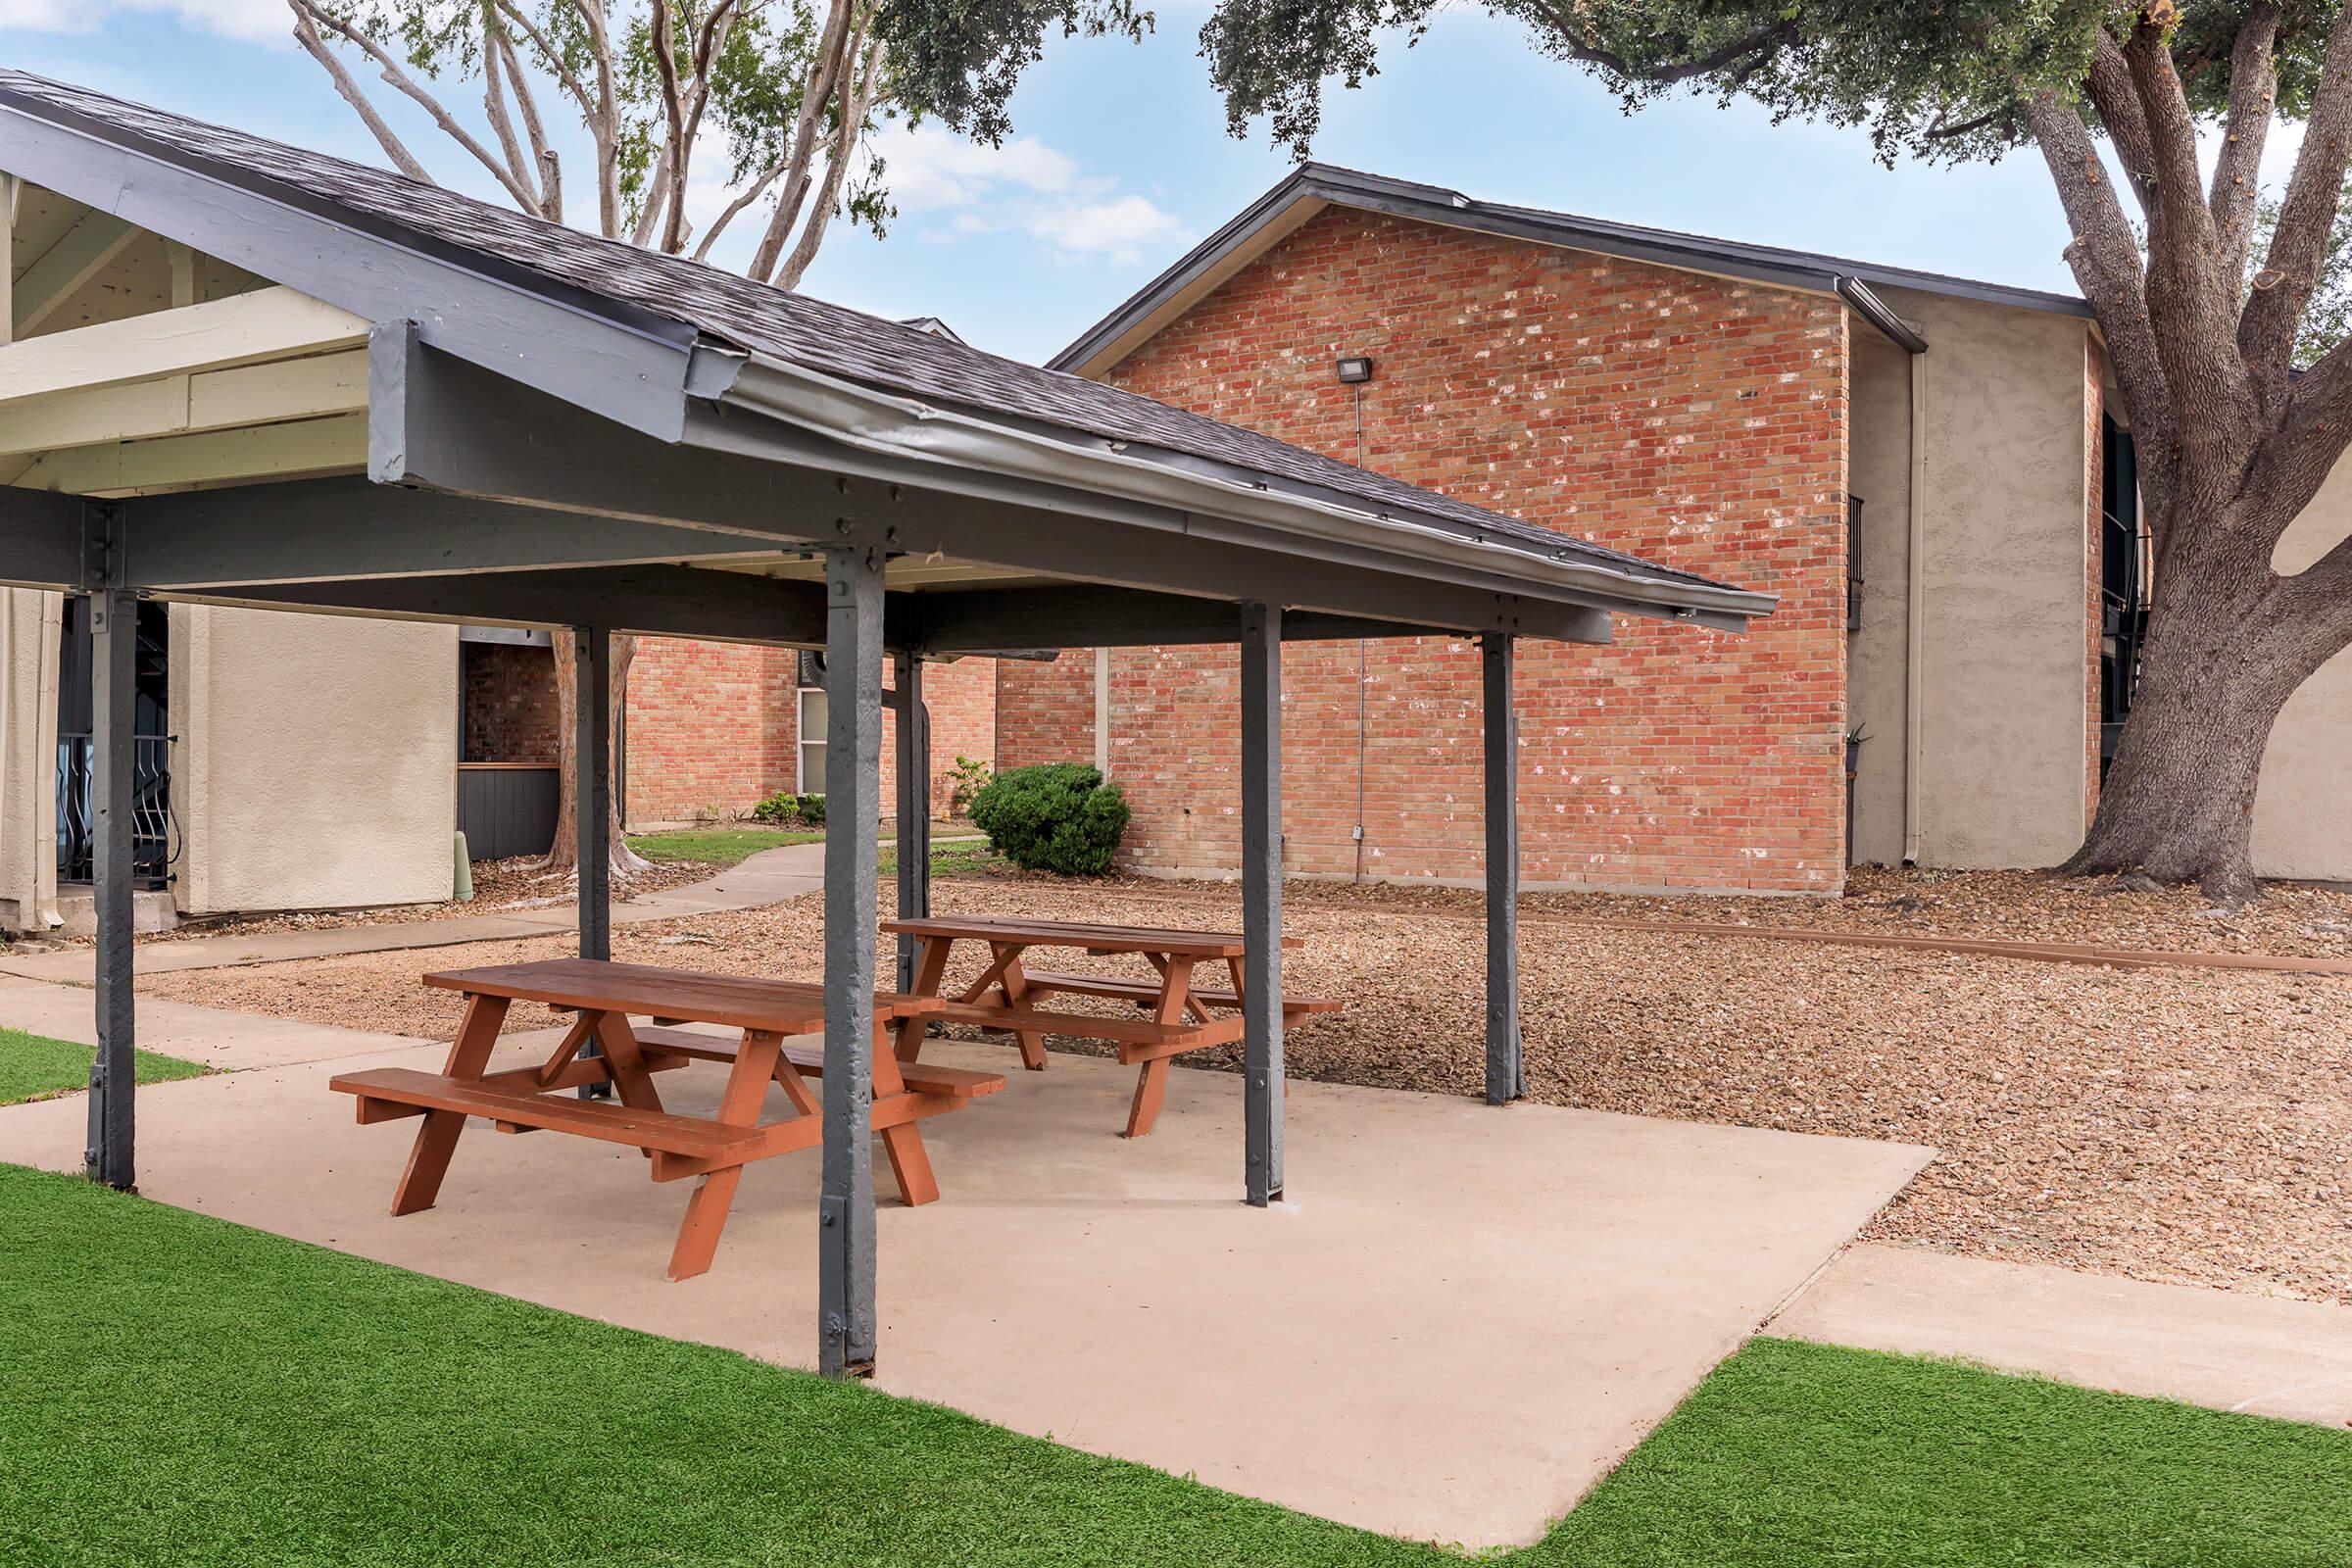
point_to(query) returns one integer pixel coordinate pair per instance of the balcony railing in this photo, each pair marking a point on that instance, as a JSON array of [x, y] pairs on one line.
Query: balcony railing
[[150, 809]]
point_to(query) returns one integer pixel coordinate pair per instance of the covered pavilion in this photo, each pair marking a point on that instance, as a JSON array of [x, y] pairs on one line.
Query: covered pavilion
[[301, 383]]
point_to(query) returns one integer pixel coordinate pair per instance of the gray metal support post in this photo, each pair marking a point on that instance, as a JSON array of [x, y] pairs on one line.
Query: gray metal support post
[[845, 1258], [592, 801], [913, 740], [1261, 899], [1507, 1079], [114, 664]]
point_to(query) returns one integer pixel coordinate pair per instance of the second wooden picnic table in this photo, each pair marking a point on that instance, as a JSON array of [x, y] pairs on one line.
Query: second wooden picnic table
[[1180, 1016], [771, 1014]]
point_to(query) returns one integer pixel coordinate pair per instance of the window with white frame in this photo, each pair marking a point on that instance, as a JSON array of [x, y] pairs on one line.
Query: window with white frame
[[812, 740]]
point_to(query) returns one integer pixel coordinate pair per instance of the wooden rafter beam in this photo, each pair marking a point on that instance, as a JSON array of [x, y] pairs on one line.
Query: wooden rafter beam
[[83, 251]]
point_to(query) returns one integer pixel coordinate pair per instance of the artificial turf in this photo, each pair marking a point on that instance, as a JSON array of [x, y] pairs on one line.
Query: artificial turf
[[180, 1390], [36, 1066]]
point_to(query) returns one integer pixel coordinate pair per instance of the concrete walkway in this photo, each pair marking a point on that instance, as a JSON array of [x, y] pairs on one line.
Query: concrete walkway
[[768, 877], [2223, 1349], [1460, 1322]]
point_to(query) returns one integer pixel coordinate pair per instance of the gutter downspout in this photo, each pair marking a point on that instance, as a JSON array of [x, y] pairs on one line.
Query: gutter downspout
[[1103, 711], [1915, 608]]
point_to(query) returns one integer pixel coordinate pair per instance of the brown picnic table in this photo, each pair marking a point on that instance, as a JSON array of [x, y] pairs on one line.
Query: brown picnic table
[[770, 1017], [1180, 1016]]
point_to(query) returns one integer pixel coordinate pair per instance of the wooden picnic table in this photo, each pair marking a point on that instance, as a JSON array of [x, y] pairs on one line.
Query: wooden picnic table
[[769, 1014], [1179, 1015]]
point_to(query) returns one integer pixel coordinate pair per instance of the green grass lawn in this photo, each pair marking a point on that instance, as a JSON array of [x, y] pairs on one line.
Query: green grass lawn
[[180, 1390], [35, 1067], [719, 846], [973, 858]]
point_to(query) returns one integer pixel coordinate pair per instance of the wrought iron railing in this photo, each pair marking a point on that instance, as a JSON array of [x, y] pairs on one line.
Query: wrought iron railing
[[150, 808]]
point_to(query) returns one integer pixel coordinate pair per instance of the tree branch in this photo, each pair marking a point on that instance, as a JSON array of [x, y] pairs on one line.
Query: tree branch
[[801, 154], [2253, 89], [494, 107], [394, 148], [749, 194], [1763, 43], [2105, 259], [402, 82], [2118, 101], [2187, 288], [2282, 289], [673, 145], [856, 100], [551, 167]]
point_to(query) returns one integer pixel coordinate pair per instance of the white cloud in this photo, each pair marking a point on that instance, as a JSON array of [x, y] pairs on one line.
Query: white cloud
[[1121, 230], [928, 166], [235, 18]]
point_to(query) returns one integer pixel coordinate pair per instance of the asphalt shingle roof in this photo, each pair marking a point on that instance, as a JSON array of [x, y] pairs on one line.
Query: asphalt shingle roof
[[777, 324]]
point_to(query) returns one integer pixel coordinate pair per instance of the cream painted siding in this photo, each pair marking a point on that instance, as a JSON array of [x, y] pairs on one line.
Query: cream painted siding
[[2004, 761], [316, 762], [30, 624], [2303, 812]]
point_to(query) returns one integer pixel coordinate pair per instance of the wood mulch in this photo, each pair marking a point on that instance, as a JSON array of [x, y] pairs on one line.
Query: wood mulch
[[2183, 1125], [499, 887]]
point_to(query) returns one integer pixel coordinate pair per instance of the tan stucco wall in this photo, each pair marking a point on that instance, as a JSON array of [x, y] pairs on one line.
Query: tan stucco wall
[[2005, 769], [29, 621], [1875, 697], [317, 763], [2303, 813]]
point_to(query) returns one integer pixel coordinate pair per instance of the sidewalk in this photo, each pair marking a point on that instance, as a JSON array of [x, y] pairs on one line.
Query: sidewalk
[[768, 877], [2223, 1349]]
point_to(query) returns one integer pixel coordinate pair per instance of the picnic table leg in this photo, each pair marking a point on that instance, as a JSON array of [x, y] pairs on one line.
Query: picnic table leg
[[928, 972], [1016, 992], [1151, 1083], [909, 1161], [437, 1139], [755, 1062]]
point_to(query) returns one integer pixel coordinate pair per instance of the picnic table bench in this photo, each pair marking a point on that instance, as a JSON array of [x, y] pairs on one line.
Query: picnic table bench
[[1004, 997], [714, 1149]]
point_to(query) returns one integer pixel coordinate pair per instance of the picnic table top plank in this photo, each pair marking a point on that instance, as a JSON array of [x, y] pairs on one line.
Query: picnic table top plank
[[740, 1001], [1080, 934]]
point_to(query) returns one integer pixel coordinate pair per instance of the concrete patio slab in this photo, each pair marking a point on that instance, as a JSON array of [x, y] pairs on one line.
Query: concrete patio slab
[[2222, 1349], [231, 1041], [1461, 1319]]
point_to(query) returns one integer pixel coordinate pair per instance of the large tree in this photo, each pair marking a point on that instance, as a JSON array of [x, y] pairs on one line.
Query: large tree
[[789, 89], [2200, 324]]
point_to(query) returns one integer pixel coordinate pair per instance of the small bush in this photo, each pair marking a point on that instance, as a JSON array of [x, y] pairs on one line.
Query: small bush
[[1055, 816], [784, 808], [968, 777]]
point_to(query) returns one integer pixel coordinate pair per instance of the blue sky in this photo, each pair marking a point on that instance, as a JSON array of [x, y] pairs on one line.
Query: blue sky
[[1120, 160]]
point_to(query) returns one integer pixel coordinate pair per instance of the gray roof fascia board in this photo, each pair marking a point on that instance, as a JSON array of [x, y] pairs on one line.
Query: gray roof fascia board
[[956, 441], [625, 364], [1345, 187]]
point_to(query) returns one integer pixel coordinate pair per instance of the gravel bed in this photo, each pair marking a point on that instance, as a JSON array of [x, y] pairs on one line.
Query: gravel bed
[[2168, 1124]]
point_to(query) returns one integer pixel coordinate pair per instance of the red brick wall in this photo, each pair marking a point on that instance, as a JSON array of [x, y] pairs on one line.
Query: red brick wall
[[1695, 420], [509, 702], [713, 727]]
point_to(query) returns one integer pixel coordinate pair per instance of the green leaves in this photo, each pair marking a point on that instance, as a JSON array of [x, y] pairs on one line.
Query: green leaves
[[959, 59]]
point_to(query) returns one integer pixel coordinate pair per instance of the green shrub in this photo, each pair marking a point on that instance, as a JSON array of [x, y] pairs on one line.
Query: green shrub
[[968, 777], [784, 808], [1055, 816]]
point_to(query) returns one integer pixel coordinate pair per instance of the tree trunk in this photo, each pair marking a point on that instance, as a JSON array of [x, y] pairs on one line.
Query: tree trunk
[[2178, 803], [563, 853]]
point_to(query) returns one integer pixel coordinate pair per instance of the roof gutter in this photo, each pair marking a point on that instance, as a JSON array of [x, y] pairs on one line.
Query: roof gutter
[[949, 439], [1875, 312]]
